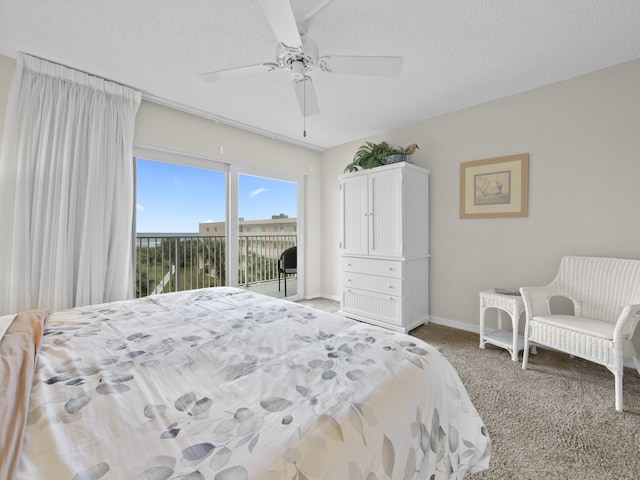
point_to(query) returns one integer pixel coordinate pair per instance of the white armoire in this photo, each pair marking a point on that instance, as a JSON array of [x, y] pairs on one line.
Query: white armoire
[[384, 246]]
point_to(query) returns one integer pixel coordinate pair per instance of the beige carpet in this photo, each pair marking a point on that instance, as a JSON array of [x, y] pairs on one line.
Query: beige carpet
[[323, 304], [555, 420]]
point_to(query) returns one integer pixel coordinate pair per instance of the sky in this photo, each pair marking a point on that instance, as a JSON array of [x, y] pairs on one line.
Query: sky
[[176, 199]]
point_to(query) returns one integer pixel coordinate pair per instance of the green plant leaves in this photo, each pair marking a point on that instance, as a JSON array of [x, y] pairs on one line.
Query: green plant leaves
[[371, 155]]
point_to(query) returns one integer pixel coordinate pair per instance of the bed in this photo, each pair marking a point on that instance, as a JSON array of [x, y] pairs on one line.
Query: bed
[[226, 384]]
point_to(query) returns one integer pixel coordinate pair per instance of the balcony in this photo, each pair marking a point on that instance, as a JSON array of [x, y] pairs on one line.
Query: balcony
[[175, 263]]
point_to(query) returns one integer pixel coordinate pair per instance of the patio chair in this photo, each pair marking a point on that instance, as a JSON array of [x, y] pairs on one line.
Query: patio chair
[[287, 265]]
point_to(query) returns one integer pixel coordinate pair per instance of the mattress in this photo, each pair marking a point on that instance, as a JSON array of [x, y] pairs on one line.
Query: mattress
[[226, 384]]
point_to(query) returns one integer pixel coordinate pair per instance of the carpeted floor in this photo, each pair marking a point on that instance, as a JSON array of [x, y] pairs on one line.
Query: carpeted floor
[[322, 304], [555, 420]]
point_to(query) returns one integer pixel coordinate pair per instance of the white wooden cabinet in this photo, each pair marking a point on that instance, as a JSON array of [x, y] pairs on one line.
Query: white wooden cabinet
[[384, 246]]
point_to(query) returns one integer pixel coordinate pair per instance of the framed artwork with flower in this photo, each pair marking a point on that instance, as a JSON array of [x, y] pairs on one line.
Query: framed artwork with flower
[[495, 187]]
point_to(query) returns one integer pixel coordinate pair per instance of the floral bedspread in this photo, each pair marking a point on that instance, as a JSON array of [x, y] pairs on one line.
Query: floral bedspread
[[225, 384]]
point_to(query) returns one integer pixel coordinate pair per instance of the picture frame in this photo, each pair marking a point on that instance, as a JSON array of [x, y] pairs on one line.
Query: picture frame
[[495, 187]]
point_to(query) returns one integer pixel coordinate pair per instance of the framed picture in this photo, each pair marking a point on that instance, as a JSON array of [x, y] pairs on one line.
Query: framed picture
[[495, 187]]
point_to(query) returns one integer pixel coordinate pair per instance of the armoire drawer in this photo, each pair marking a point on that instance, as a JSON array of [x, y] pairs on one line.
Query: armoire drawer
[[372, 283], [372, 266], [369, 305]]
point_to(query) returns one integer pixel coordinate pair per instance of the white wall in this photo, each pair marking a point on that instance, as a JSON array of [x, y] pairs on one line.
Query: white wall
[[583, 138]]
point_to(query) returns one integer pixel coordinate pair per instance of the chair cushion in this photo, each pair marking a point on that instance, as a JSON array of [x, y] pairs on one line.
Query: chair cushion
[[588, 326]]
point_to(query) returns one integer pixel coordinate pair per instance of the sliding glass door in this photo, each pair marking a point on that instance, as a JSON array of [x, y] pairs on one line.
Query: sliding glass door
[[203, 223], [266, 217], [267, 235]]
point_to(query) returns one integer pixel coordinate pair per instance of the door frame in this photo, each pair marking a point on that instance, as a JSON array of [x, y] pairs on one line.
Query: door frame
[[235, 171]]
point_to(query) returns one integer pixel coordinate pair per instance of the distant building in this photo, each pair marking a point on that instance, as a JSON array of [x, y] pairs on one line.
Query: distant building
[[277, 225], [212, 229], [266, 239]]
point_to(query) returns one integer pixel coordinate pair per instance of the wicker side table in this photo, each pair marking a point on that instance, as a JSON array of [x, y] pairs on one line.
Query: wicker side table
[[513, 306]]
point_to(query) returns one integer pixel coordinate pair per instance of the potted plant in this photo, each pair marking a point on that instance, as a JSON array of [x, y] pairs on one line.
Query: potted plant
[[371, 155]]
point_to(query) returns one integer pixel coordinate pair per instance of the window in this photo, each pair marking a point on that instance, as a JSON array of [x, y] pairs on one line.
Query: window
[[178, 195], [173, 202]]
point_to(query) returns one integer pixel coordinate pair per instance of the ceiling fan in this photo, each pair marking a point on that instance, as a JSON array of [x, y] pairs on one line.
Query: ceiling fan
[[300, 55]]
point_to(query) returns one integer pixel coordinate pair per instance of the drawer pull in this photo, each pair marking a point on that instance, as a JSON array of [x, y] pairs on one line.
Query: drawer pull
[[389, 286]]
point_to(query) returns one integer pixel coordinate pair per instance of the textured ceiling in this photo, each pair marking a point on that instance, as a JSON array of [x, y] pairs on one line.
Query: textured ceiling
[[457, 53]]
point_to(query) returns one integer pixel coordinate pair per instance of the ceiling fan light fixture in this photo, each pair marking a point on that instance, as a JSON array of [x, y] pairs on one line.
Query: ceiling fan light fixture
[[298, 68], [308, 53]]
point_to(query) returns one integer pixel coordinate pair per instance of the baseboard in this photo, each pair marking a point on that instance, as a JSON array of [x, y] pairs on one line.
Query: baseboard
[[311, 296], [455, 324]]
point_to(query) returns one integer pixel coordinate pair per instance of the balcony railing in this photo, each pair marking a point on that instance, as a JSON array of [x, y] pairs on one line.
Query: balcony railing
[[175, 263]]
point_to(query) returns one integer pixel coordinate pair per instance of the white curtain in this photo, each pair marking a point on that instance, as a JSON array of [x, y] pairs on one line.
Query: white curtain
[[66, 189]]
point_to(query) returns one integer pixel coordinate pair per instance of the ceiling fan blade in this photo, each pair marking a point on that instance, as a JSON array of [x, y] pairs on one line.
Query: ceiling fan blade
[[319, 7], [356, 65], [238, 72], [280, 16], [307, 99]]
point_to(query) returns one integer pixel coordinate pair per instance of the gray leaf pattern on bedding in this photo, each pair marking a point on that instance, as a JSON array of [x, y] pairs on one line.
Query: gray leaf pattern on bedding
[[224, 384]]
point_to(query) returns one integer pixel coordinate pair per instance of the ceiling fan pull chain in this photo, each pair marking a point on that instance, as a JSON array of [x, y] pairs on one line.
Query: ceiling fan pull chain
[[304, 109]]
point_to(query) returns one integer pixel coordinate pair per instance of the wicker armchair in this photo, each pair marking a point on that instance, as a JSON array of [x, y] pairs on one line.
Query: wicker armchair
[[605, 293]]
